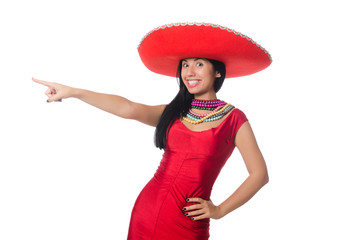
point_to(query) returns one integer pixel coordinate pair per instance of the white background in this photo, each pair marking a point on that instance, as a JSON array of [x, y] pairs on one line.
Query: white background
[[70, 171]]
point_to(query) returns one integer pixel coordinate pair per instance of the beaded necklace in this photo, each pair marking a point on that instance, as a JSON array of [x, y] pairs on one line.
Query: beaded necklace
[[217, 107], [206, 104]]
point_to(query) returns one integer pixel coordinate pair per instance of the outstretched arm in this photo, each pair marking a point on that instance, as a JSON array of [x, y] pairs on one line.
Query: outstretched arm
[[258, 176], [114, 104]]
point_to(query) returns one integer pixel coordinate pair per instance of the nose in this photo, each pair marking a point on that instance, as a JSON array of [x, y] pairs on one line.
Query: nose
[[190, 71]]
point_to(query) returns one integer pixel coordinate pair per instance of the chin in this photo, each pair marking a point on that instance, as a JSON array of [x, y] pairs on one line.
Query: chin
[[191, 91]]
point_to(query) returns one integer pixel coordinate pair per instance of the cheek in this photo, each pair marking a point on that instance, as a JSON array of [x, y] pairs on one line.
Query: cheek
[[182, 76]]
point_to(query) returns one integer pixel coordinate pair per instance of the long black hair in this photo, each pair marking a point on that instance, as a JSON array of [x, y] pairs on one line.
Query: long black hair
[[180, 105]]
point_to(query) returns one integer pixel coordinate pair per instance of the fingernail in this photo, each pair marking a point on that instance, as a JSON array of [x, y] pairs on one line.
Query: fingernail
[[47, 101], [186, 214], [184, 209], [187, 199], [192, 218]]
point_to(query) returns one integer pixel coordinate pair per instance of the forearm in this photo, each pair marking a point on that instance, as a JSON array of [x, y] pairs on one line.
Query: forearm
[[243, 194], [114, 104]]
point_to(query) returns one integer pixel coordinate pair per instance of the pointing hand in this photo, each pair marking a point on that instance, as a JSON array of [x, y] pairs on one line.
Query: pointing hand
[[55, 91]]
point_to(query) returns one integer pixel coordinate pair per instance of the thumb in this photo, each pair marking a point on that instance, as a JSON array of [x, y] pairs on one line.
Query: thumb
[[54, 98]]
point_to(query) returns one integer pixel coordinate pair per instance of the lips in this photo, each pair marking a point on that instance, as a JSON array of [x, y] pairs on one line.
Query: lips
[[193, 82]]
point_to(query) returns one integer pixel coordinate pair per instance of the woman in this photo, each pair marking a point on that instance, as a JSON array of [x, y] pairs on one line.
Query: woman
[[197, 131]]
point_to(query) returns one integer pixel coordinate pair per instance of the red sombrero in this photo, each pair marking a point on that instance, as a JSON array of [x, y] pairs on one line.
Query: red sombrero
[[163, 47]]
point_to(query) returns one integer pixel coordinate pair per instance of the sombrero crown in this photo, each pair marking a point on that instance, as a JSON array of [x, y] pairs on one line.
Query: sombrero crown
[[163, 47]]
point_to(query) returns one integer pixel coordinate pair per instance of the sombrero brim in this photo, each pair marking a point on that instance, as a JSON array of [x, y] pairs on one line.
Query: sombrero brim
[[162, 48]]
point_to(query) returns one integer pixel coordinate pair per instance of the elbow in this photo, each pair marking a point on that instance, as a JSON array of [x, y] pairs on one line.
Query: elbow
[[260, 178], [266, 178], [263, 178]]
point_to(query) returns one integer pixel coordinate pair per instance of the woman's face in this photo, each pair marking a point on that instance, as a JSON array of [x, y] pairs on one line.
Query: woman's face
[[198, 75]]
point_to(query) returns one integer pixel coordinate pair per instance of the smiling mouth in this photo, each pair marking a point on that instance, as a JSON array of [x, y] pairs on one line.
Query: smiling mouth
[[193, 82]]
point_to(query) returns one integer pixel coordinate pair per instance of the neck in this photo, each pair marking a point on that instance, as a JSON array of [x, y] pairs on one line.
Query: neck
[[206, 96]]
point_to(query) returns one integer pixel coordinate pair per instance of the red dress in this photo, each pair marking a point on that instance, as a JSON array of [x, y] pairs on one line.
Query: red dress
[[190, 165]]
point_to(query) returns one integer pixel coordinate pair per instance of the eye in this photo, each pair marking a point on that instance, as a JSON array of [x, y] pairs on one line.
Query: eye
[[199, 64], [185, 65]]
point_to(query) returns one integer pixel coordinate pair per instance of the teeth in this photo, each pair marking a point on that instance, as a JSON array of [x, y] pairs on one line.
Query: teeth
[[193, 82]]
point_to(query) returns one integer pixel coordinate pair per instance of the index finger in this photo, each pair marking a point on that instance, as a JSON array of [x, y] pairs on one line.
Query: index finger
[[45, 83]]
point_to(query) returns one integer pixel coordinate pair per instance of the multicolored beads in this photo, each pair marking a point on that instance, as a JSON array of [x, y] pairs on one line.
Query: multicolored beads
[[206, 104], [219, 110]]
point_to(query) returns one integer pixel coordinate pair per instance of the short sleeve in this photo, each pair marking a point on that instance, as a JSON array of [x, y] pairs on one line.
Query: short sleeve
[[239, 118]]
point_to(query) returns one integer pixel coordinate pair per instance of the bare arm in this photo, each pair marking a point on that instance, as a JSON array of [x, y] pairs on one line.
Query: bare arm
[[114, 104], [258, 174], [258, 177]]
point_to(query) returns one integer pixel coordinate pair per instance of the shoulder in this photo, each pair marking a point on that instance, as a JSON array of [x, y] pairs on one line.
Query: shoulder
[[238, 115], [236, 119]]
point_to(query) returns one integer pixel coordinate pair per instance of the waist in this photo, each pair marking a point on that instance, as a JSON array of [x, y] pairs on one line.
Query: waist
[[170, 164], [190, 172]]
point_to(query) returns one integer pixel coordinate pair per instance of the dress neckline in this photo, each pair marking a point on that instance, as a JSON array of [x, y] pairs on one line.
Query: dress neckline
[[212, 128]]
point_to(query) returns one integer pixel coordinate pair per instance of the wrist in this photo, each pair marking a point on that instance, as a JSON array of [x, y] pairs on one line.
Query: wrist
[[76, 92], [222, 211]]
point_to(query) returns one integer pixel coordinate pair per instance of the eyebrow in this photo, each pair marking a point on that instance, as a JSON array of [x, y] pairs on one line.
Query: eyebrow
[[195, 59]]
